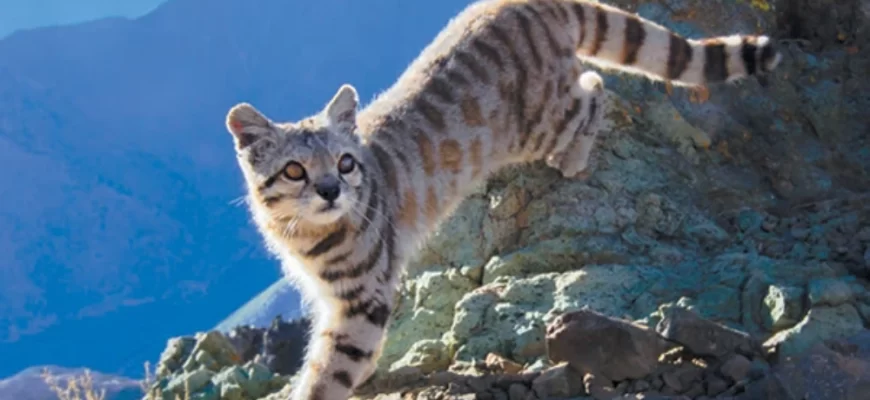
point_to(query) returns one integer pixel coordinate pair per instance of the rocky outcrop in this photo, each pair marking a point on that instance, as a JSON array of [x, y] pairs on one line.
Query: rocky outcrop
[[593, 356], [246, 364]]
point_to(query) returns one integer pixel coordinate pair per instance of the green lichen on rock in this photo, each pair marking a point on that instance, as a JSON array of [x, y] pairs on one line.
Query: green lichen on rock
[[208, 367]]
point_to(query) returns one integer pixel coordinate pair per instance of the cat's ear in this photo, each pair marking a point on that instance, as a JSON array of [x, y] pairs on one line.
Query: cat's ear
[[247, 124], [341, 110]]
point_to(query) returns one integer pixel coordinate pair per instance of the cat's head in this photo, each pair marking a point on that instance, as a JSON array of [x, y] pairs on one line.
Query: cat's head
[[307, 172]]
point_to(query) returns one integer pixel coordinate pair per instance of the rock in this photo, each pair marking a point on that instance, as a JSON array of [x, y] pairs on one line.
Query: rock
[[592, 342], [518, 391], [831, 291], [499, 363], [283, 345], [441, 290], [599, 388], [558, 381], [820, 323], [703, 337], [715, 385], [217, 346], [736, 368], [838, 369], [190, 381], [247, 340], [173, 357], [427, 355], [232, 391], [784, 306]]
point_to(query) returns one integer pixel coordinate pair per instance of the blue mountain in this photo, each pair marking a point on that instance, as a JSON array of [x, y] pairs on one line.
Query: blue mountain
[[118, 227]]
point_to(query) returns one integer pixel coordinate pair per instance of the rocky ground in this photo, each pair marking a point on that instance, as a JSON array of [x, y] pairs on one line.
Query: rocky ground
[[721, 247]]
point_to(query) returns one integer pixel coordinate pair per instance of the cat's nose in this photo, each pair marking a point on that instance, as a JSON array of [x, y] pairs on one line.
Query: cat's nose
[[329, 190]]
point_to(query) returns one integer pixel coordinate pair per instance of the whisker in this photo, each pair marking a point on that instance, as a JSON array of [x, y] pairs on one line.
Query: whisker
[[238, 201]]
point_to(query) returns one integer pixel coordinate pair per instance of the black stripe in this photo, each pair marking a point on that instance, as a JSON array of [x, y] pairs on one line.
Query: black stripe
[[373, 205], [768, 53], [390, 238], [271, 200], [339, 258], [747, 53], [519, 91], [269, 181], [635, 34], [593, 109], [715, 59], [432, 114], [562, 14], [317, 393], [570, 114], [358, 270], [679, 56], [601, 28], [328, 243], [441, 89], [369, 263], [526, 28], [491, 53], [343, 378], [386, 164], [551, 41], [456, 78], [352, 352], [475, 68], [379, 315], [580, 13], [353, 293]]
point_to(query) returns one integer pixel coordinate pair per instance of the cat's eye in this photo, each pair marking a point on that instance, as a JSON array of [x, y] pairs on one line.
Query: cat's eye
[[294, 171], [346, 164]]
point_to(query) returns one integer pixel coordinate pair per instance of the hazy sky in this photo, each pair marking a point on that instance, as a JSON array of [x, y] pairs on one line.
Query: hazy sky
[[23, 14]]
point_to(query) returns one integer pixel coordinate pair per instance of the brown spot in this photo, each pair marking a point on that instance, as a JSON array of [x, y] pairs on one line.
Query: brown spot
[[476, 157], [427, 152], [635, 34], [471, 111], [601, 27], [408, 212], [679, 56], [451, 155], [431, 204]]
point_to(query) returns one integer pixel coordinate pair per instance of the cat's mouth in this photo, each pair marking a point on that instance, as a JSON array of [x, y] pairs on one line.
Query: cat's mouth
[[328, 207]]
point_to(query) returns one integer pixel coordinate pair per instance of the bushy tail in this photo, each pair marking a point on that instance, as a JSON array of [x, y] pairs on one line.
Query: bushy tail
[[614, 38]]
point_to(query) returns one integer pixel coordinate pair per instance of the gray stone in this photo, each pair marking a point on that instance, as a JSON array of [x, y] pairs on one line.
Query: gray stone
[[820, 323], [784, 306], [611, 348], [736, 368], [839, 369], [831, 291], [558, 381], [703, 337]]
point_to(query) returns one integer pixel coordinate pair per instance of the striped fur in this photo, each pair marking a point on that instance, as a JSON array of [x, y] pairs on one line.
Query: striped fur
[[346, 197]]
